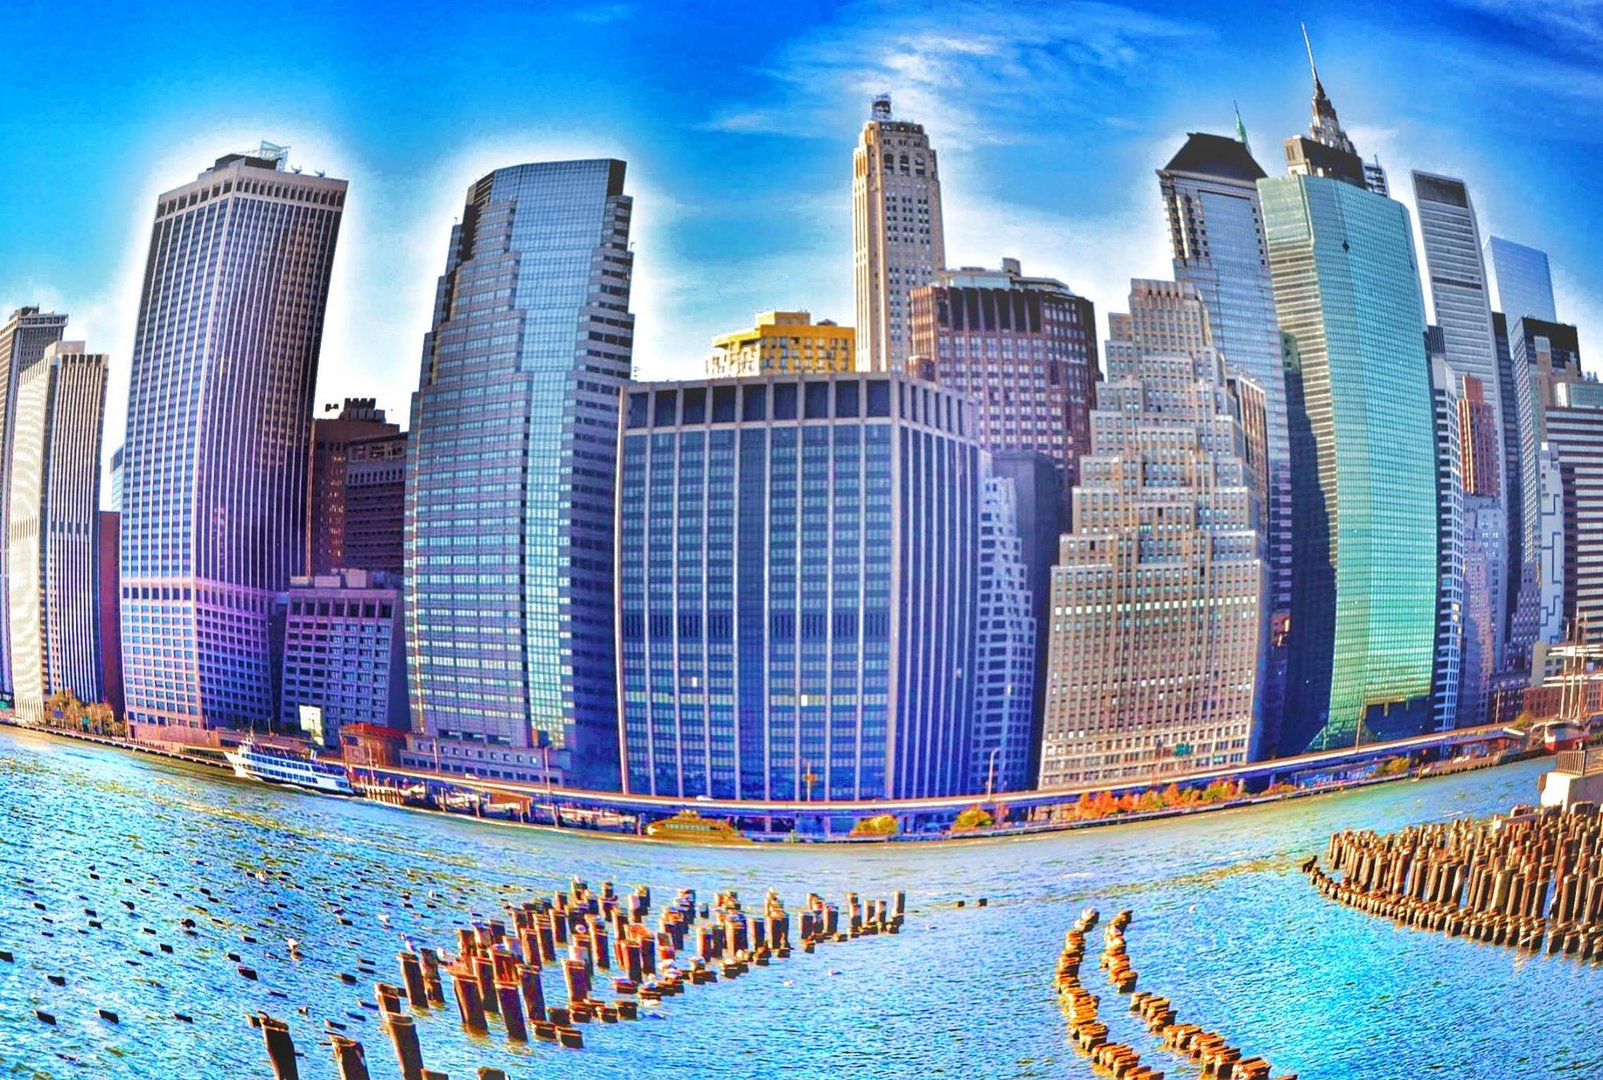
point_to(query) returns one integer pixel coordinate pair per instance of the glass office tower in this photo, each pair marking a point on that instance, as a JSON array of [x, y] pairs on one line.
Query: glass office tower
[[1210, 196], [797, 587], [1364, 599], [1522, 282], [510, 480], [219, 417]]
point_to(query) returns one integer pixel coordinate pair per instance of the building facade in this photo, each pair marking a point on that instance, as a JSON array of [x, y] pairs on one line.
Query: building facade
[[23, 340], [53, 527], [222, 376], [1347, 297], [897, 238], [1522, 281], [797, 587], [375, 504], [1461, 299], [344, 657], [511, 469], [784, 343], [327, 519], [1576, 438], [1023, 349], [1004, 686], [1216, 239], [109, 624], [1447, 672], [1157, 598]]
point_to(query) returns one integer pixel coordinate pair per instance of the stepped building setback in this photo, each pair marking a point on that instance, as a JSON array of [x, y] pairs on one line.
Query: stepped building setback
[[1157, 599]]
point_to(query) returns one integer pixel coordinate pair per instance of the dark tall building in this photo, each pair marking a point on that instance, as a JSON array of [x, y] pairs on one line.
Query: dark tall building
[[327, 516], [106, 598], [1038, 486], [1023, 349], [375, 503]]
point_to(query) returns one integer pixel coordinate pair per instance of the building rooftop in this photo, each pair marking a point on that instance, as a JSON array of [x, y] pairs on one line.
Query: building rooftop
[[1215, 155]]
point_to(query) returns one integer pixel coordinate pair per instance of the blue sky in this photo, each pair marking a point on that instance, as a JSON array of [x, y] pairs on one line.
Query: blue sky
[[738, 122]]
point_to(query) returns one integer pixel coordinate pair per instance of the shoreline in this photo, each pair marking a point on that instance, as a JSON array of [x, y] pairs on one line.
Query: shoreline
[[793, 840]]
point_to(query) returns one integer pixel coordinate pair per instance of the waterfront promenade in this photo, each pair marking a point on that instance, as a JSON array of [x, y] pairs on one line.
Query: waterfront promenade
[[924, 819], [1227, 924]]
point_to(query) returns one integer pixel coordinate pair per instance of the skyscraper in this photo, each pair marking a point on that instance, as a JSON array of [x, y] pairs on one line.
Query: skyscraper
[[1522, 282], [1004, 648], [53, 527], [1447, 673], [1210, 195], [1157, 598], [1364, 491], [23, 339], [222, 377], [1576, 436], [897, 237], [798, 567], [1023, 348], [326, 510], [510, 485], [1459, 296], [784, 342]]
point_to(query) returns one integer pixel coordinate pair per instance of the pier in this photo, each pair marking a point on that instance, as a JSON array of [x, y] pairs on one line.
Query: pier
[[1531, 879]]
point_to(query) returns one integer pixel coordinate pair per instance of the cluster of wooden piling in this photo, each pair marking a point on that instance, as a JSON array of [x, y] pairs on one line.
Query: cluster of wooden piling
[[1086, 1031], [590, 936], [1208, 1050], [1527, 880]]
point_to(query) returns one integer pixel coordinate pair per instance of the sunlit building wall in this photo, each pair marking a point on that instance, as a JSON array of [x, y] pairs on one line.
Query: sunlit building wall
[[222, 376]]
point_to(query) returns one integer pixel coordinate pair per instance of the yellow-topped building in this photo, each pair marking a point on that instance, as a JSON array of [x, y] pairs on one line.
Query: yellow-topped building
[[783, 342]]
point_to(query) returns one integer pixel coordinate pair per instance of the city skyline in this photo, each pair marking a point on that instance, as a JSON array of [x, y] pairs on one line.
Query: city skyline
[[996, 176]]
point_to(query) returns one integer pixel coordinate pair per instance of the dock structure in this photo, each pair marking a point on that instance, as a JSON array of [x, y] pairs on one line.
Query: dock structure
[[1531, 879], [1576, 777]]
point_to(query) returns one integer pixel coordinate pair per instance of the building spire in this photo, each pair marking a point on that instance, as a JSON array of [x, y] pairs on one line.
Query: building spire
[[1326, 127], [1241, 128]]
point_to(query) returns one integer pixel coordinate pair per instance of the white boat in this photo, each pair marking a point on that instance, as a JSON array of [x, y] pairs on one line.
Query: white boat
[[252, 762]]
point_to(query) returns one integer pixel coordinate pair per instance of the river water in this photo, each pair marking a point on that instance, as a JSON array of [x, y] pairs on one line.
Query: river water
[[1223, 924]]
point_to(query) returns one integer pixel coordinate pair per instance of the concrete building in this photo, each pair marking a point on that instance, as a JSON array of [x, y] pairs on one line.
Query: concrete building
[[784, 343], [511, 476], [219, 420], [326, 513], [1364, 484], [375, 503], [53, 527], [24, 336], [897, 238], [1022, 348], [1210, 198], [1157, 599], [344, 657], [1521, 280], [798, 579]]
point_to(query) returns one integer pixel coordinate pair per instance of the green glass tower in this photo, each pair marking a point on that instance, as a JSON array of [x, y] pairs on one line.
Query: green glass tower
[[1348, 300]]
